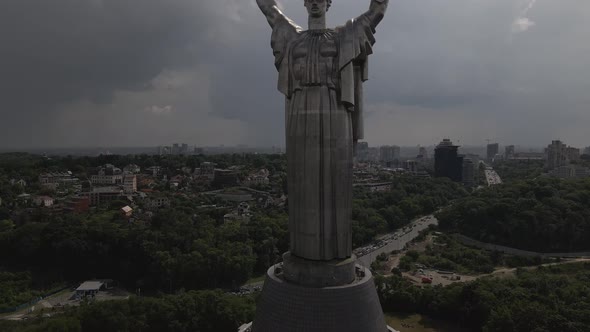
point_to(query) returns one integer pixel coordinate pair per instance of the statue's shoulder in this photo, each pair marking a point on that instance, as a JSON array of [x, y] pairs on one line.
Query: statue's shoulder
[[288, 27], [348, 25]]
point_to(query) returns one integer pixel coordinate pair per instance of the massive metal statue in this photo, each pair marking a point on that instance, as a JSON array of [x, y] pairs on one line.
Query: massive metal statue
[[321, 73]]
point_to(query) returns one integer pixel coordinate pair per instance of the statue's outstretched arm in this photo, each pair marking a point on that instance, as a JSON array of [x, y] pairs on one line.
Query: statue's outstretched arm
[[376, 11], [272, 12]]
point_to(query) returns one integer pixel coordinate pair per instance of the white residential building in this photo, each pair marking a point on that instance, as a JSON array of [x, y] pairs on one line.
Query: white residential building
[[107, 175], [132, 169], [55, 179], [44, 201], [130, 183], [258, 178]]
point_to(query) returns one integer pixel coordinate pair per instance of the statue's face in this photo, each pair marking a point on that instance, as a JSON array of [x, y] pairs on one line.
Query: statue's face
[[316, 8]]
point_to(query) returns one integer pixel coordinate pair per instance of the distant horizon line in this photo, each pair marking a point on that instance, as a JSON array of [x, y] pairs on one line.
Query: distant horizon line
[[238, 146]]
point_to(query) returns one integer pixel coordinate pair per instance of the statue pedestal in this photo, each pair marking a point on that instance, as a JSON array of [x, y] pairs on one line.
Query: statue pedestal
[[284, 306], [310, 273]]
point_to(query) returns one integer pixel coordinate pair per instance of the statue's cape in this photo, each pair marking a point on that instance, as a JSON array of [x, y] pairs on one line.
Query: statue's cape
[[356, 39]]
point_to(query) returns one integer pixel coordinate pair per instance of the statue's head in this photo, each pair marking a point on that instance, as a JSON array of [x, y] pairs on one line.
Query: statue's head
[[317, 8]]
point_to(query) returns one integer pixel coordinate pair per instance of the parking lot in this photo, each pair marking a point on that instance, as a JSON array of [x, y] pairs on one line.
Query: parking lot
[[420, 277]]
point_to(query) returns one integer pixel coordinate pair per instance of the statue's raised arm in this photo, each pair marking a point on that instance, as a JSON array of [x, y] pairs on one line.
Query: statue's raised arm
[[272, 12], [376, 11]]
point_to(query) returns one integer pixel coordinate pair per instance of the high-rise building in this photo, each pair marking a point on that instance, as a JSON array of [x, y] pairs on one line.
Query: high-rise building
[[175, 149], [184, 149], [555, 155], [130, 183], [411, 166], [447, 162], [163, 150], [373, 154], [493, 150], [559, 154], [509, 152], [469, 171], [572, 154], [362, 151], [587, 151], [388, 154], [422, 153]]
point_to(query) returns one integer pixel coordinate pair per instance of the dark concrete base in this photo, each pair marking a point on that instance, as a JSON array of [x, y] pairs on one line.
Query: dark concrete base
[[310, 273], [286, 307]]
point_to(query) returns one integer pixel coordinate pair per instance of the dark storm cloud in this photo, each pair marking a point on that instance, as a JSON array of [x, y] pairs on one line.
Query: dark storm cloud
[[79, 72], [62, 50]]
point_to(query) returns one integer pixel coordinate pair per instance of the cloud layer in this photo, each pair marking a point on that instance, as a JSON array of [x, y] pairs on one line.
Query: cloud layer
[[149, 72]]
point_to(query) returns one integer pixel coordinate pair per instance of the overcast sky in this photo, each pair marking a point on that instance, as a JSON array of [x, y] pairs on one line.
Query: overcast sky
[[153, 72]]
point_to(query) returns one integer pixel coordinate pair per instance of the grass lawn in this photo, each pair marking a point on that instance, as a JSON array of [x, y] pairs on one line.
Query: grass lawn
[[256, 279], [418, 323]]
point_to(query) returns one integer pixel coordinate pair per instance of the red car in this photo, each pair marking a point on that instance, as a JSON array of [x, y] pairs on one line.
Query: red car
[[426, 280]]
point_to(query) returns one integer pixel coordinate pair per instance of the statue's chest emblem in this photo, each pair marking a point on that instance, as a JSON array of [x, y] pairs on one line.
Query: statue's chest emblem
[[314, 56], [316, 45]]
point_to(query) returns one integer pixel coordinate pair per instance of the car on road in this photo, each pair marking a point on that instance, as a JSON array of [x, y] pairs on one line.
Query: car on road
[[426, 280]]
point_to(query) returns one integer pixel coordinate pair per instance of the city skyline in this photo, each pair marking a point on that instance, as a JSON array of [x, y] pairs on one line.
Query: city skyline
[[128, 149], [502, 70]]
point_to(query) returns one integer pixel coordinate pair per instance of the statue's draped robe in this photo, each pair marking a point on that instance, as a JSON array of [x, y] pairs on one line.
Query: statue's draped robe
[[321, 74]]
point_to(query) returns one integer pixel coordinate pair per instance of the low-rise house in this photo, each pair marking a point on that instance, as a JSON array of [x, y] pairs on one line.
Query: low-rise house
[[144, 181], [19, 182], [176, 180], [103, 194], [154, 170], [132, 169], [152, 203], [89, 288], [44, 201], [127, 211], [24, 198], [258, 178], [53, 180]]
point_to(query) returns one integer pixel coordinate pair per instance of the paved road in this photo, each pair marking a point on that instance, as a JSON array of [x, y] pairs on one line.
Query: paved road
[[393, 241], [384, 244], [492, 178], [513, 270]]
